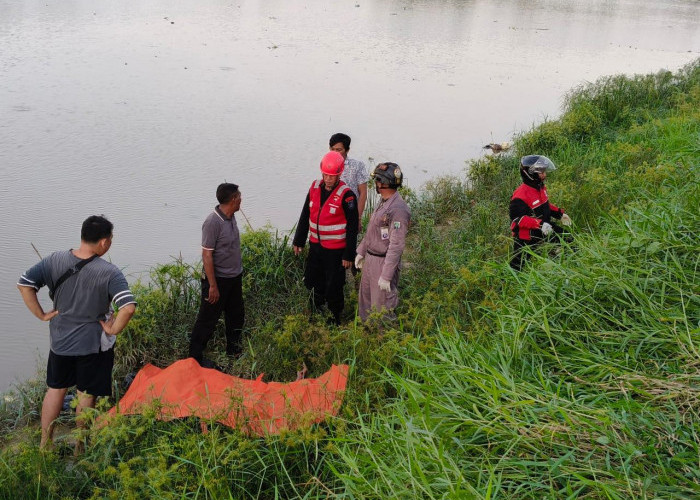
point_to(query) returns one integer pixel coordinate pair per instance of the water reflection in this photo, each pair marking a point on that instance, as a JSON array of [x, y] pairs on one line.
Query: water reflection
[[138, 111]]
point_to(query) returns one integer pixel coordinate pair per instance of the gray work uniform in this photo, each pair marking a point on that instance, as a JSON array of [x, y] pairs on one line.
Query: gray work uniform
[[382, 247]]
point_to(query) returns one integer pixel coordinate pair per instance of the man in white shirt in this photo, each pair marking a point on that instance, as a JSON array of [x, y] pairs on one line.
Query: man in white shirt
[[355, 173]]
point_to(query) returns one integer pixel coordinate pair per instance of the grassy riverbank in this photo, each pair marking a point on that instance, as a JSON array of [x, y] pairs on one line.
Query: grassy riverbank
[[577, 377]]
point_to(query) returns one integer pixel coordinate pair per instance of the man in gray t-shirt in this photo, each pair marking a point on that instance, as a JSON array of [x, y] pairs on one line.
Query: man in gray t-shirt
[[82, 286]]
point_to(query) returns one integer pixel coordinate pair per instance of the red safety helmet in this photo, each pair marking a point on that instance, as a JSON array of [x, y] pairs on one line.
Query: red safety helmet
[[332, 163]]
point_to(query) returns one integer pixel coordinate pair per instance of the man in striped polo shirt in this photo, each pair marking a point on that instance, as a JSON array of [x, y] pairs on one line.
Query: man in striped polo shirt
[[82, 286], [354, 174]]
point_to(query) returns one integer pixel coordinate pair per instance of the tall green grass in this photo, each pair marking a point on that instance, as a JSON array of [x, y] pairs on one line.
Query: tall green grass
[[585, 384]]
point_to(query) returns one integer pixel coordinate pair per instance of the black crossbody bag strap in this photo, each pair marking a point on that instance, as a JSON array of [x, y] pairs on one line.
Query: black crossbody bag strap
[[71, 272]]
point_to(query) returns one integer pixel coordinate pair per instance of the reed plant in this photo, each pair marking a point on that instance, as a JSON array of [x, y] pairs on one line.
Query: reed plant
[[586, 383]]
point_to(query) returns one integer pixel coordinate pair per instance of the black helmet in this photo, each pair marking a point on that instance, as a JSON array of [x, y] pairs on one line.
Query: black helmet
[[388, 173], [536, 164]]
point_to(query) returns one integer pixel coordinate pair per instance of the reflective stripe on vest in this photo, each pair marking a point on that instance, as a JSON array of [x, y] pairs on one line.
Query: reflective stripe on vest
[[326, 227], [335, 227]]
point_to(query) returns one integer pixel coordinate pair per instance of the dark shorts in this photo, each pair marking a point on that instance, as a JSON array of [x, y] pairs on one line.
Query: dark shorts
[[91, 373]]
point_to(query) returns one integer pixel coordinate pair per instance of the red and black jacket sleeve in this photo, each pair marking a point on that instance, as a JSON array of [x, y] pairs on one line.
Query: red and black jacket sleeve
[[302, 231], [555, 211]]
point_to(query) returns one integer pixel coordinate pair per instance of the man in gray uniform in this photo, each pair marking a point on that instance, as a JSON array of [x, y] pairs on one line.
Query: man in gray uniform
[[82, 286], [379, 253]]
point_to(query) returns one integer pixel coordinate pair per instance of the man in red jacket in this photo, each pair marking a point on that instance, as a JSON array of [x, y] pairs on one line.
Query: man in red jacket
[[531, 213], [330, 220]]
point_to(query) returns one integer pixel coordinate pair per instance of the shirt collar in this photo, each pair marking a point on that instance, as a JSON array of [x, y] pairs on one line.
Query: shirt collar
[[220, 213], [389, 199]]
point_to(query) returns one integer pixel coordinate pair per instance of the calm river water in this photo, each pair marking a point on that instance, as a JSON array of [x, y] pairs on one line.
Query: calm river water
[[139, 109]]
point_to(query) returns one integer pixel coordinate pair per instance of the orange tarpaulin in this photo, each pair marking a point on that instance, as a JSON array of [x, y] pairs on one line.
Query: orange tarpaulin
[[186, 389]]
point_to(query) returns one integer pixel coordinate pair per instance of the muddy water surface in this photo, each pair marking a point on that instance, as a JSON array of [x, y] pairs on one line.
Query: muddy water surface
[[139, 110]]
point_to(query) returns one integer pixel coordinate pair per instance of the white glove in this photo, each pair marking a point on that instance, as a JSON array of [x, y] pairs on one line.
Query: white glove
[[384, 285], [565, 220], [546, 228], [358, 260]]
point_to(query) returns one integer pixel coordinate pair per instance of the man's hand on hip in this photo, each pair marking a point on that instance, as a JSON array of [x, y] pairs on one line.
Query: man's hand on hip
[[118, 322], [49, 315], [32, 303], [108, 326]]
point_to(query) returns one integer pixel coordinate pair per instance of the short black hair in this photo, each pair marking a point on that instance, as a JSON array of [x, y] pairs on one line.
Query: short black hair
[[340, 137], [95, 228], [226, 192]]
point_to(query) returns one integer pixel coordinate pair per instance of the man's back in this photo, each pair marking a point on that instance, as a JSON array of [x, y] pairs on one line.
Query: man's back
[[82, 300]]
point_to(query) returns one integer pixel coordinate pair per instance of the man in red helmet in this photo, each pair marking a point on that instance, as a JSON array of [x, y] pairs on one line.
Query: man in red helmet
[[330, 220]]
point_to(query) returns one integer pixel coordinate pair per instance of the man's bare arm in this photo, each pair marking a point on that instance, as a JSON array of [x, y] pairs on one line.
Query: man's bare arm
[[362, 200], [119, 321], [208, 262], [32, 302]]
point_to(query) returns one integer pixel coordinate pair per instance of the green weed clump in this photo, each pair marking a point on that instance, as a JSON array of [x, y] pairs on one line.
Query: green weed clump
[[576, 377], [20, 406], [143, 457], [159, 333]]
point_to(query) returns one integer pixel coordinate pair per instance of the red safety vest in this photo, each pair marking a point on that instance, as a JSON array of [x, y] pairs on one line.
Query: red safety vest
[[534, 198], [327, 223]]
